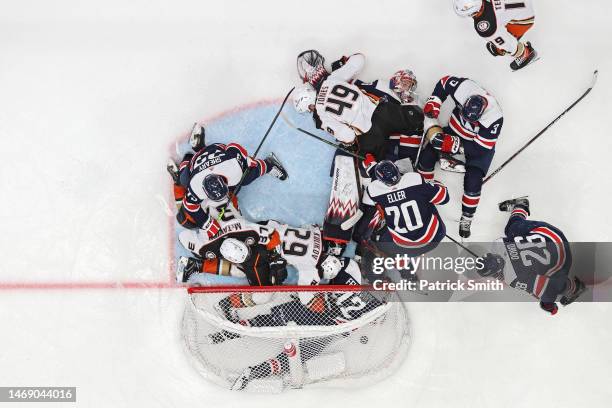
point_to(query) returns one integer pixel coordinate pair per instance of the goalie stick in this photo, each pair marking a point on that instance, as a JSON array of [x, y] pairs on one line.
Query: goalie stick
[[533, 139]]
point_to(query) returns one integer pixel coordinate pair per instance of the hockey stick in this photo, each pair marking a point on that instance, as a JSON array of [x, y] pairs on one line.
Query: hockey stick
[[463, 246], [292, 125], [244, 173], [533, 139], [418, 156]]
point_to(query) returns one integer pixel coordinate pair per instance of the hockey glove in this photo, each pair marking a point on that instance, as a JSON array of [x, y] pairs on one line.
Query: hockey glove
[[339, 63], [550, 307], [492, 265], [445, 143], [278, 270], [432, 107], [368, 164], [494, 50]]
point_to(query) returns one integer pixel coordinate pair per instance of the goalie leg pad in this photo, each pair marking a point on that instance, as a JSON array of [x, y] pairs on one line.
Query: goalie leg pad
[[343, 200]]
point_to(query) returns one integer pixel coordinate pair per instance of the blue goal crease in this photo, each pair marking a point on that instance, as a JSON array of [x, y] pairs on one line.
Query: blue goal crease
[[302, 198]]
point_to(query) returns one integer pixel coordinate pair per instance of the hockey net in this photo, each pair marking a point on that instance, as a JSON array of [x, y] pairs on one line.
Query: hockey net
[[269, 339]]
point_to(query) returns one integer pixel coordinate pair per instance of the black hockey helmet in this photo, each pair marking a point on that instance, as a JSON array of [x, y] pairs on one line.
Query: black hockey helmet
[[387, 172], [474, 107], [215, 187]]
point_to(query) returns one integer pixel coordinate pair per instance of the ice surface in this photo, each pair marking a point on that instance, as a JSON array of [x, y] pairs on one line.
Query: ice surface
[[92, 99]]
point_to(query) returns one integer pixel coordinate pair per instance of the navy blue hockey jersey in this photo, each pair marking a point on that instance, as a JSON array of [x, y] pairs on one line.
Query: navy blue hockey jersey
[[483, 132], [409, 208], [538, 253]]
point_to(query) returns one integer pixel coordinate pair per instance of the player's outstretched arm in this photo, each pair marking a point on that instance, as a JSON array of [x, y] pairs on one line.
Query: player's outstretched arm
[[352, 66]]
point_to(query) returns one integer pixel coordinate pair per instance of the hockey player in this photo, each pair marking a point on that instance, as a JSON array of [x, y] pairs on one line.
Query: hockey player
[[239, 248], [342, 109], [399, 89], [474, 126], [535, 257], [502, 23], [407, 204], [231, 161]]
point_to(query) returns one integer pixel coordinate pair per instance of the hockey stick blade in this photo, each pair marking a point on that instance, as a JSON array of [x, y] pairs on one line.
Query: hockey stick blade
[[541, 132]]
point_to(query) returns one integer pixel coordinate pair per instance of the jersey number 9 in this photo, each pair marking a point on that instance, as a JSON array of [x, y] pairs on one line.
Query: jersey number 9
[[342, 92]]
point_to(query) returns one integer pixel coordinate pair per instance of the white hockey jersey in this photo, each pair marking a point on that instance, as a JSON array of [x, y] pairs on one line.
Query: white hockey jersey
[[342, 108], [504, 22]]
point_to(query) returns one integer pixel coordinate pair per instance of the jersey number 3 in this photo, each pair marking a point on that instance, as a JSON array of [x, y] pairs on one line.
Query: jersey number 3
[[343, 93]]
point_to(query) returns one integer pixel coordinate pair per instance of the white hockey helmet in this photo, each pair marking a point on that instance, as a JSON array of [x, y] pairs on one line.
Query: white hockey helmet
[[467, 8], [303, 97], [330, 266], [234, 250]]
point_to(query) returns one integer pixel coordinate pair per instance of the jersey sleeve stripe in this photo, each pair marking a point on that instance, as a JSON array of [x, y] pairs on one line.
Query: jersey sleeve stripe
[[240, 148], [191, 207], [440, 196], [539, 286], [432, 228], [554, 237], [486, 143], [460, 130]]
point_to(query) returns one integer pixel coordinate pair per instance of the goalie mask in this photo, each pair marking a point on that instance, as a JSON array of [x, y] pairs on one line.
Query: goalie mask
[[330, 267], [303, 97], [404, 84], [467, 8], [234, 251], [215, 187], [311, 68]]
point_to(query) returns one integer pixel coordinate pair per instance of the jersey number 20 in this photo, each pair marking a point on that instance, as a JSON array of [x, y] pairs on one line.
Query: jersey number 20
[[409, 211]]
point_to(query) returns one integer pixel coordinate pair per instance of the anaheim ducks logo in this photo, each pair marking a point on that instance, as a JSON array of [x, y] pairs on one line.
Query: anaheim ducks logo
[[483, 26]]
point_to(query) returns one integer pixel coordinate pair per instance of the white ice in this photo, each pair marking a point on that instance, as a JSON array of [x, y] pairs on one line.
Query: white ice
[[93, 96]]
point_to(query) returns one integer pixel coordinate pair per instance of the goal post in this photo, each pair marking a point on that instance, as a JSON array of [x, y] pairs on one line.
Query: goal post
[[269, 339]]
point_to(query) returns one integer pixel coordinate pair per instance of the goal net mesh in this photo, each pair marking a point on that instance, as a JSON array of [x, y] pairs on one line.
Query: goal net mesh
[[275, 338]]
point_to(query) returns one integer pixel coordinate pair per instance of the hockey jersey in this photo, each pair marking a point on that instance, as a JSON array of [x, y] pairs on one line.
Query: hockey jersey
[[380, 92], [409, 208], [504, 22], [483, 132], [538, 258], [229, 161], [341, 108]]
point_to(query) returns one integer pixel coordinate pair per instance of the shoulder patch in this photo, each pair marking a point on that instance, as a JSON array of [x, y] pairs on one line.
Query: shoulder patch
[[486, 23]]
